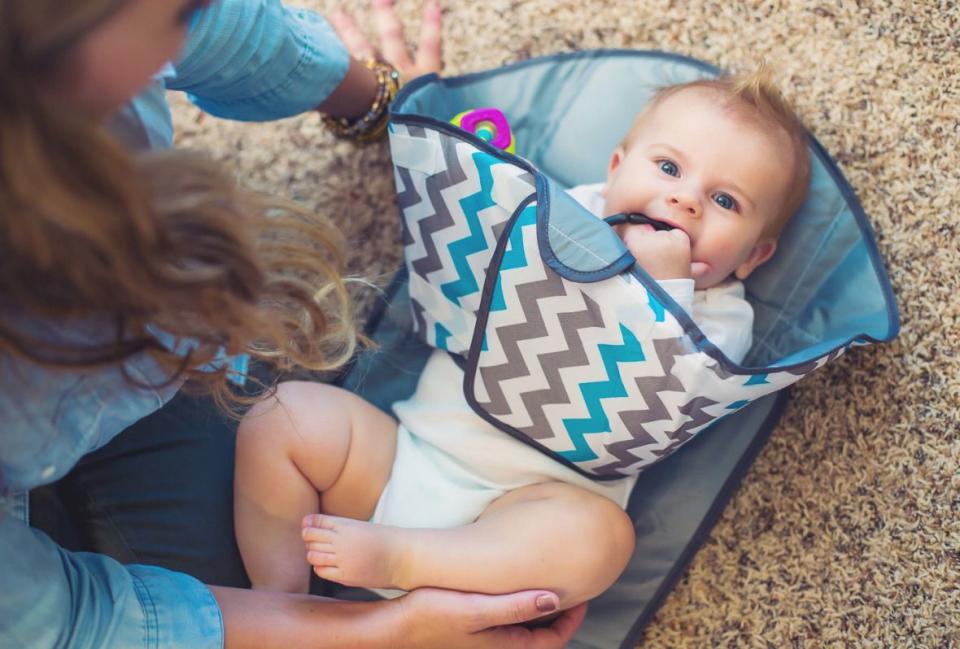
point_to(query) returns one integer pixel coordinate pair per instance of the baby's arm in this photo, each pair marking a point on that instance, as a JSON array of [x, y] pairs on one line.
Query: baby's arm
[[725, 316], [722, 313]]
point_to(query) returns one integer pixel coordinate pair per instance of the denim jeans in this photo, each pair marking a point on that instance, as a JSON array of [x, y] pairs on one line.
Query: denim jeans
[[160, 494]]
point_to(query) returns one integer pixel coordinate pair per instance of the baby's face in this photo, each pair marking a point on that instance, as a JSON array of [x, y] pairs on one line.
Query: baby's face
[[697, 168]]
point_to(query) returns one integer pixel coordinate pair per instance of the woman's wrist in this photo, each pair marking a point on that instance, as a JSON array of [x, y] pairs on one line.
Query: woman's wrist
[[372, 125], [355, 94], [271, 620]]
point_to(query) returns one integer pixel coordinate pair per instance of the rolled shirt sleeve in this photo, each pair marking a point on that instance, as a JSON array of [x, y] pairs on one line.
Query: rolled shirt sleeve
[[256, 60], [52, 598]]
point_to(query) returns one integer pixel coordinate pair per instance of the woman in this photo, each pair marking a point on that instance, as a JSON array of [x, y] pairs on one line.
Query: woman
[[122, 276]]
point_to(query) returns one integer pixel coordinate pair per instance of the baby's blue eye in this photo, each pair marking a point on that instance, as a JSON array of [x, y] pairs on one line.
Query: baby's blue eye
[[669, 168], [725, 201]]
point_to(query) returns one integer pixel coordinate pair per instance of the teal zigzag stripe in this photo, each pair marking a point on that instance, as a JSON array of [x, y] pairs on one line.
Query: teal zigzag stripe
[[460, 250], [515, 256], [630, 351], [659, 311], [441, 335]]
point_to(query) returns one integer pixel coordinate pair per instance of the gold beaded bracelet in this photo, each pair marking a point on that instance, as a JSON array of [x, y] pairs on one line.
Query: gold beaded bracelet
[[373, 125]]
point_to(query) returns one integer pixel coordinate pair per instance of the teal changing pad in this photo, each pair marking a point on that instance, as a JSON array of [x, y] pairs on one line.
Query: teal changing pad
[[825, 290]]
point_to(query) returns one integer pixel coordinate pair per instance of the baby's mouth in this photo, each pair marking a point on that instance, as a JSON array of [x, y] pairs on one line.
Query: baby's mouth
[[638, 218]]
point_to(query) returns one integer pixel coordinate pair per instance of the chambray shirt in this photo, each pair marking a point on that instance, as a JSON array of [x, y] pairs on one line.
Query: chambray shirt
[[248, 60]]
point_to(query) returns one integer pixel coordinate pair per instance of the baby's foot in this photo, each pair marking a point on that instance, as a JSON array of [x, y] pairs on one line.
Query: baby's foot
[[356, 553]]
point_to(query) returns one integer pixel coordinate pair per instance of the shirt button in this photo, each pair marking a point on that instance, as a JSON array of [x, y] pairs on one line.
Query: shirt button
[[47, 471]]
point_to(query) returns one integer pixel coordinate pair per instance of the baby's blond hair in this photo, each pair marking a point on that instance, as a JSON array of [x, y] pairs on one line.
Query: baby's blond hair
[[754, 97]]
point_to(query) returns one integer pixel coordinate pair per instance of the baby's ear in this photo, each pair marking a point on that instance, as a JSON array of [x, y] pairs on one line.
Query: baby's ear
[[615, 159], [761, 252]]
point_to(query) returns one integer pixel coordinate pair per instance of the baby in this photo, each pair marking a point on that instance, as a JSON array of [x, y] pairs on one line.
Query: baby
[[440, 497], [724, 165]]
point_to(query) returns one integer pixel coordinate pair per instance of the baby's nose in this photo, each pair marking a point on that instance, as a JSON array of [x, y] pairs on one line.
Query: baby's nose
[[685, 203]]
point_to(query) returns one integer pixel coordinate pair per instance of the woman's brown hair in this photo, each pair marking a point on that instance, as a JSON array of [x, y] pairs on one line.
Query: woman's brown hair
[[145, 242]]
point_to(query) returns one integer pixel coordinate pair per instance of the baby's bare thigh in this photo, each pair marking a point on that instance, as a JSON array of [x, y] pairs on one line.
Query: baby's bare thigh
[[562, 537], [553, 494], [342, 444]]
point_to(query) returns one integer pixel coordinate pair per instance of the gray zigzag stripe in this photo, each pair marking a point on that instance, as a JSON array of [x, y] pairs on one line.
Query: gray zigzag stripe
[[406, 198], [441, 219], [575, 355], [511, 336], [697, 417], [679, 436], [667, 350]]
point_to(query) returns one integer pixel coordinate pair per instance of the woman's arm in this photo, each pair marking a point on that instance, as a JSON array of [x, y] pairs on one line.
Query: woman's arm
[[51, 598], [258, 60], [54, 598], [424, 619]]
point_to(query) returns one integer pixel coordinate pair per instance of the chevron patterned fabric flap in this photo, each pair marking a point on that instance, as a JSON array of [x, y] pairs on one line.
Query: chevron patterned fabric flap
[[567, 346]]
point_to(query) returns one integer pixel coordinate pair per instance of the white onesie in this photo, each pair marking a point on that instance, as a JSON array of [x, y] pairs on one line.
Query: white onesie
[[451, 463]]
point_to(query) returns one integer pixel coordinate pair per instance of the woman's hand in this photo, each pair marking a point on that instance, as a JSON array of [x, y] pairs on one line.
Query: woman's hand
[[441, 619], [427, 618], [393, 47]]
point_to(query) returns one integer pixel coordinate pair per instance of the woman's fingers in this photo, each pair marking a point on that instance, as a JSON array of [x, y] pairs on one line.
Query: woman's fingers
[[346, 27], [429, 56], [393, 45], [392, 42]]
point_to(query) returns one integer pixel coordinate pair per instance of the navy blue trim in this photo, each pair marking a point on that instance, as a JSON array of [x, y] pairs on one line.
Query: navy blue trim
[[729, 487], [473, 356], [637, 218], [549, 255]]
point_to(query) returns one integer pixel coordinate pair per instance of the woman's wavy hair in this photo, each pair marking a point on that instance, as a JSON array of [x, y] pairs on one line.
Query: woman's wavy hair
[[144, 242]]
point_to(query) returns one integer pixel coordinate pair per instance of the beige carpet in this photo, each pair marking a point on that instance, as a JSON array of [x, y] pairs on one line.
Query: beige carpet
[[846, 531]]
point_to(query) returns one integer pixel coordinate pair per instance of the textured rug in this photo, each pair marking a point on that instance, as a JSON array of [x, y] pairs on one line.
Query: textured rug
[[846, 530]]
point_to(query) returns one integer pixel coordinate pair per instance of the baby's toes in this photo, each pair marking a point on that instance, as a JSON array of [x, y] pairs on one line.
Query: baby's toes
[[321, 558], [318, 528], [316, 535], [320, 521], [330, 573]]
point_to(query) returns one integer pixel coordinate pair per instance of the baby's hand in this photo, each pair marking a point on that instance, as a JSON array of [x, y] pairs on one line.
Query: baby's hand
[[663, 254]]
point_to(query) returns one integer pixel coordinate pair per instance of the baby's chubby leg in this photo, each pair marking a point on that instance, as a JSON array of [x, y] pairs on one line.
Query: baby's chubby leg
[[551, 535], [313, 447]]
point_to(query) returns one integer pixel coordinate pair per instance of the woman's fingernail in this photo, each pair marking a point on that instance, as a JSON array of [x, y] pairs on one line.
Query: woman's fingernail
[[546, 604]]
